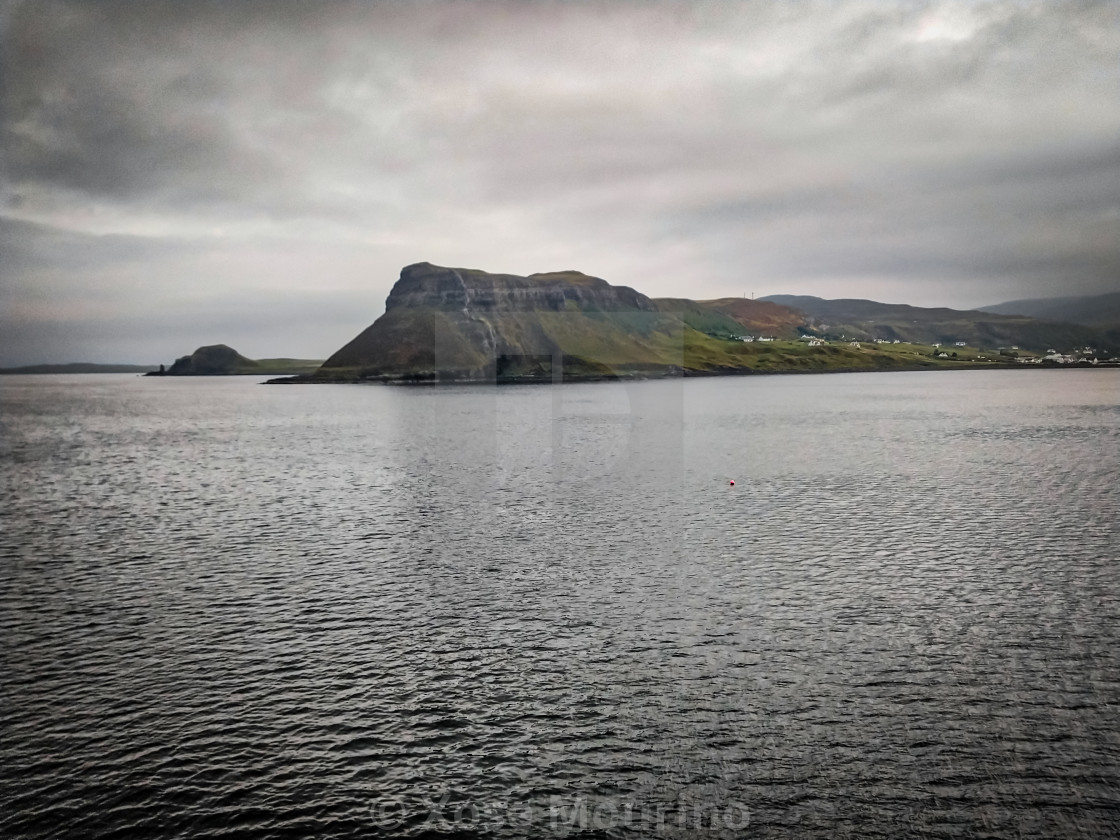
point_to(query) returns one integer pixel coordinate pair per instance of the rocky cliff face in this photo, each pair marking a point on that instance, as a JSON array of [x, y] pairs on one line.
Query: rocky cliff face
[[424, 285], [459, 323]]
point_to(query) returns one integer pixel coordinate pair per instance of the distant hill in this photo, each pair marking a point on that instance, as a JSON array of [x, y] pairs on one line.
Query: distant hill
[[868, 319], [221, 360], [1102, 311], [466, 325], [79, 367]]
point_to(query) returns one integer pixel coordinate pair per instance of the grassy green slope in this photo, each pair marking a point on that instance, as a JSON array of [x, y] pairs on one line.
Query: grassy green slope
[[701, 318], [412, 344], [726, 317], [415, 342]]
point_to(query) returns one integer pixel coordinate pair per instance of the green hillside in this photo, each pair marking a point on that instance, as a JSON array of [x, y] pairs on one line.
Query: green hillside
[[735, 316]]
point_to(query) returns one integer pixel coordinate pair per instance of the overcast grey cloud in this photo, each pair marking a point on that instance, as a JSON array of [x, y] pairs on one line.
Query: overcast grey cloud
[[176, 174]]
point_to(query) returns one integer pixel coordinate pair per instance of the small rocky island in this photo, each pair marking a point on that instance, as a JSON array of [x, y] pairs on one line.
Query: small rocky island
[[221, 360]]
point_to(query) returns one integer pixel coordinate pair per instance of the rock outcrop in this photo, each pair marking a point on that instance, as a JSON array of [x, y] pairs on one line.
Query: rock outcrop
[[212, 360], [464, 324], [455, 289]]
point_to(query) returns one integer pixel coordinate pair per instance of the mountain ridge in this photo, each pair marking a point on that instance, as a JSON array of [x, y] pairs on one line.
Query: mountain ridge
[[867, 319], [1101, 311]]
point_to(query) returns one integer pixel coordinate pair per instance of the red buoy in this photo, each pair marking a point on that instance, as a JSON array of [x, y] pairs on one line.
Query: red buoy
[[732, 482]]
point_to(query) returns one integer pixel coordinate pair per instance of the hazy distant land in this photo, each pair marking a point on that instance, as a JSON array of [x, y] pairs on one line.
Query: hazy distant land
[[79, 367], [1101, 311]]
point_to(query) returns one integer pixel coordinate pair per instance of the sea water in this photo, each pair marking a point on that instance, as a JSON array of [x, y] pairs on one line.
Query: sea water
[[230, 609]]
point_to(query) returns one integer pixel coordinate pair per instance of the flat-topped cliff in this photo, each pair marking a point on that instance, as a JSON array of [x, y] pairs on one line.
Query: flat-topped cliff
[[432, 286], [465, 324]]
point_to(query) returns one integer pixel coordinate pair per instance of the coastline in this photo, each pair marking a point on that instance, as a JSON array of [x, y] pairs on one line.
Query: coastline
[[418, 381]]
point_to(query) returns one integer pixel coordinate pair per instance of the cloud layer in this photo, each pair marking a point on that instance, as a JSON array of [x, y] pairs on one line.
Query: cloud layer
[[257, 173]]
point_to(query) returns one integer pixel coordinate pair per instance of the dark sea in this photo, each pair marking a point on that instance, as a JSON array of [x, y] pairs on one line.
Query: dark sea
[[232, 610]]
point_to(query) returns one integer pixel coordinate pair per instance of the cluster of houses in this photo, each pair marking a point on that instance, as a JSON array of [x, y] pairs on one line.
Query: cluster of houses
[[1060, 359], [1082, 356], [812, 339], [1085, 355]]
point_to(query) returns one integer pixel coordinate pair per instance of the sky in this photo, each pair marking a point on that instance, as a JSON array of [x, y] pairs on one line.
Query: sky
[[257, 173]]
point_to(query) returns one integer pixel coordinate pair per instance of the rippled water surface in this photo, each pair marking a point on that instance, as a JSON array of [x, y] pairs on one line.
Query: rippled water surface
[[344, 611]]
